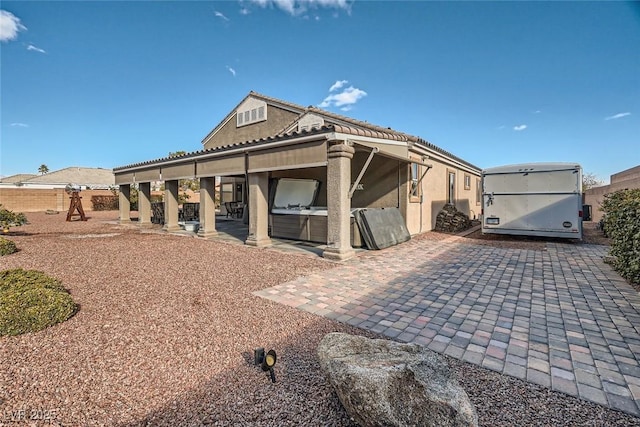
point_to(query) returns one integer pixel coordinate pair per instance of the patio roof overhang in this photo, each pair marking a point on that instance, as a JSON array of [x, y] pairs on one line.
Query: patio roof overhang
[[289, 151]]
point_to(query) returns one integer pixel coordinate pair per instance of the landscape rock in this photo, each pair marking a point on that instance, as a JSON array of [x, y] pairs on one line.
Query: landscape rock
[[385, 383], [451, 220]]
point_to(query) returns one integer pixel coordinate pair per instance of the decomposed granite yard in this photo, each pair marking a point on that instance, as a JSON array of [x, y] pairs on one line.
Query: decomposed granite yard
[[167, 326]]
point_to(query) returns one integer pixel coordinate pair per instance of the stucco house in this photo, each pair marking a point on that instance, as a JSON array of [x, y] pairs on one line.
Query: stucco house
[[626, 179], [301, 171]]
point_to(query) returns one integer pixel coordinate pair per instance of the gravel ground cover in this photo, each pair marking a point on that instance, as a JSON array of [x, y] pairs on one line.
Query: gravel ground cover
[[166, 331]]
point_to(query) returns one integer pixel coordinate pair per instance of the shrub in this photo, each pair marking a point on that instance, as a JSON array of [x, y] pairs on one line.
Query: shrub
[[7, 247], [104, 203], [622, 225], [31, 301], [10, 219]]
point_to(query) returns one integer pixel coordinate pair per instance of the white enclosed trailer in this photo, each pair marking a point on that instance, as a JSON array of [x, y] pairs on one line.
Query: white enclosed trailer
[[535, 199]]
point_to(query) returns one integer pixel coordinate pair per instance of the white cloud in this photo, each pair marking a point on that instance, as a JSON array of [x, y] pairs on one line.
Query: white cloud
[[244, 11], [37, 49], [537, 112], [617, 116], [231, 70], [501, 127], [519, 128], [20, 125], [220, 15], [337, 85], [345, 99], [10, 26], [300, 7]]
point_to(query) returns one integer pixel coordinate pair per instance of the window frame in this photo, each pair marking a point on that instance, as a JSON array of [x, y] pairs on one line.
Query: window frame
[[467, 181], [415, 193], [451, 189]]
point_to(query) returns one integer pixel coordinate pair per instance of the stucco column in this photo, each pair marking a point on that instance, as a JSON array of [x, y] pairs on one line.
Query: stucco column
[[124, 204], [207, 207], [258, 210], [144, 204], [171, 205], [338, 203]]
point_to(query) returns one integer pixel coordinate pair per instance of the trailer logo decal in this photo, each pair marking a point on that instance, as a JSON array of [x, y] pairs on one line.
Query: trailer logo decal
[[567, 224]]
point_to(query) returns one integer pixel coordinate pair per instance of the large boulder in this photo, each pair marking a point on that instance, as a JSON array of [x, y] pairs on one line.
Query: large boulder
[[385, 383]]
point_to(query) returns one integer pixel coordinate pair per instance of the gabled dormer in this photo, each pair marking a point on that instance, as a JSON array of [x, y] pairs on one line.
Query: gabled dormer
[[251, 111], [306, 122], [255, 117]]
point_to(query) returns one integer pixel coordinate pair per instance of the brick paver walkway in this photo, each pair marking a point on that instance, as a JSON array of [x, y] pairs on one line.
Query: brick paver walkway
[[560, 317]]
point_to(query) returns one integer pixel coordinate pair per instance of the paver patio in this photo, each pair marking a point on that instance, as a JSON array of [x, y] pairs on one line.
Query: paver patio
[[559, 317]]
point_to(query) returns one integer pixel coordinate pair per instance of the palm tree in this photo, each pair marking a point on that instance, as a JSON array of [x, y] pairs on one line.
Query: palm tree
[[43, 169]]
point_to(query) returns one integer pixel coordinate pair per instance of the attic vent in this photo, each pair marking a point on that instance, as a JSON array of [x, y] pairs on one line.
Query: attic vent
[[307, 127], [252, 115]]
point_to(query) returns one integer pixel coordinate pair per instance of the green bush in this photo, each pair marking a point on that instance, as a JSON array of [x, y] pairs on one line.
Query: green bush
[[622, 225], [31, 301], [11, 219], [7, 247], [104, 203]]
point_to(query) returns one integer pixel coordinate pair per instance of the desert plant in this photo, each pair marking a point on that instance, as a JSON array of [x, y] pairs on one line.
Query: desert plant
[[31, 301], [11, 219], [622, 225], [7, 247], [104, 203]]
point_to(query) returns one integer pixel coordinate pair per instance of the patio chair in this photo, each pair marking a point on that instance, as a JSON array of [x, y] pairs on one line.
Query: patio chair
[[157, 210], [190, 211], [229, 208]]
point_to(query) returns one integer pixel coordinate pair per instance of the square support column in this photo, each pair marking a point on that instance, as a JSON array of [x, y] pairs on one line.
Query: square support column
[[338, 203], [124, 204], [207, 207], [171, 206], [258, 210], [144, 204]]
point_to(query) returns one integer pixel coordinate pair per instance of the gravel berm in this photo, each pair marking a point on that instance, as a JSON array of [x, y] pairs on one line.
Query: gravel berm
[[166, 331]]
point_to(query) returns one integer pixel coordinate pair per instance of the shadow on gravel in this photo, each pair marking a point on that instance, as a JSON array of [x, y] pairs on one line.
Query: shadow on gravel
[[245, 395]]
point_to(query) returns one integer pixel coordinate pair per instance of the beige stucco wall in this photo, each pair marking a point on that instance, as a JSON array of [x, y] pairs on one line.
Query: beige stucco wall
[[277, 119], [626, 175], [421, 215], [380, 182], [595, 196]]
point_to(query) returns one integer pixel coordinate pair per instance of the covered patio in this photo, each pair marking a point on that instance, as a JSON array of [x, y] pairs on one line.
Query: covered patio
[[338, 157]]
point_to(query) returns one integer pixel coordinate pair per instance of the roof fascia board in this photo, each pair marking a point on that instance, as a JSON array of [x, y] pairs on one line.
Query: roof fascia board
[[433, 154], [222, 153]]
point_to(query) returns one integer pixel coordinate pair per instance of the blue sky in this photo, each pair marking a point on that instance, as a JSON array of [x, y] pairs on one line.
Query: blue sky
[[106, 84]]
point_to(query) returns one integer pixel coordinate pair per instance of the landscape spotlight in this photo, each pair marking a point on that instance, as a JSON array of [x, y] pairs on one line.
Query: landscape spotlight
[[266, 361]]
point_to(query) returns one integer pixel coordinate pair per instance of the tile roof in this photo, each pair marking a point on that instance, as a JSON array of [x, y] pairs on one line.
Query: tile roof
[[12, 179], [97, 177], [338, 123], [388, 132]]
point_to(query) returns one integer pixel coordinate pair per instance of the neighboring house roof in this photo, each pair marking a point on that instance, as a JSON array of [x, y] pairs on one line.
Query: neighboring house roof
[[97, 178], [17, 178]]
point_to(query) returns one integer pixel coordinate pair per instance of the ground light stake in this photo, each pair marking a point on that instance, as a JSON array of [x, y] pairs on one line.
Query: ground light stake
[[266, 361]]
